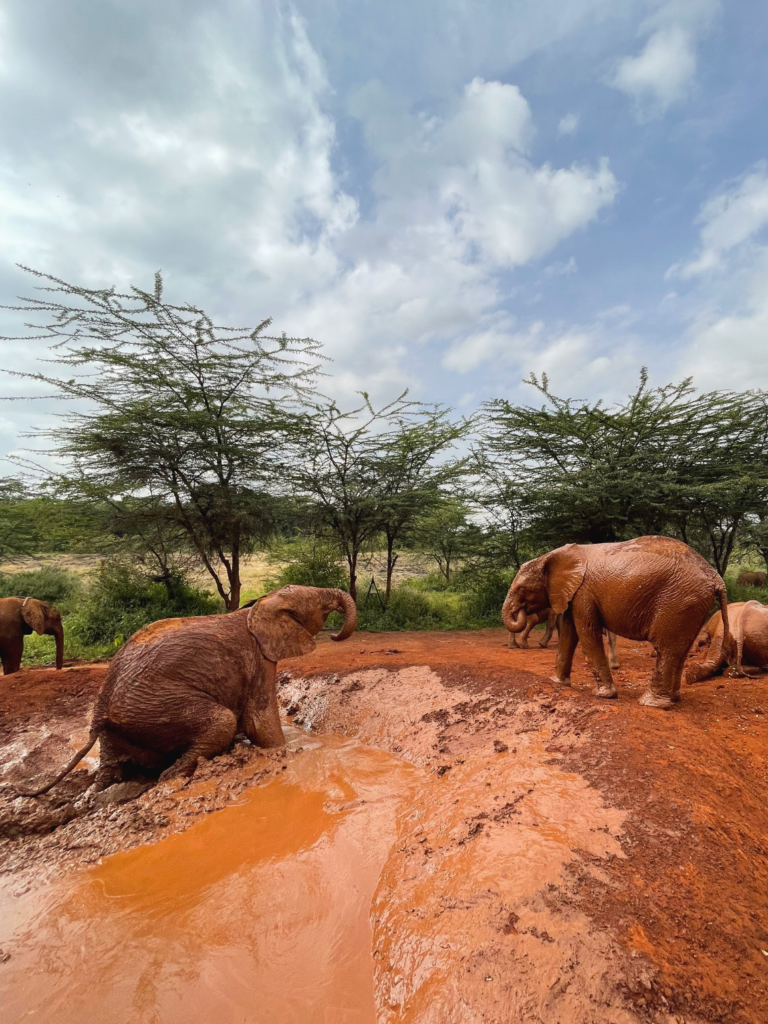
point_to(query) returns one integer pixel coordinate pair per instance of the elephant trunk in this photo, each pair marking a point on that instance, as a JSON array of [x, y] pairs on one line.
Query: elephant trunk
[[348, 608], [515, 623], [58, 632]]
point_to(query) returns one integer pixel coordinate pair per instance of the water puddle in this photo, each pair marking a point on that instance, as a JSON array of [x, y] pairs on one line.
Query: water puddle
[[259, 912]]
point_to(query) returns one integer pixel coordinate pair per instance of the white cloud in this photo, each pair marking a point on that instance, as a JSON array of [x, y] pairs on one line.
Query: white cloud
[[730, 350], [230, 184], [730, 218], [728, 335], [568, 124], [663, 73]]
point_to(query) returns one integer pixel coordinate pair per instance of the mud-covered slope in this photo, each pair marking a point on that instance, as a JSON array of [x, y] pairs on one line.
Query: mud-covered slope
[[557, 858]]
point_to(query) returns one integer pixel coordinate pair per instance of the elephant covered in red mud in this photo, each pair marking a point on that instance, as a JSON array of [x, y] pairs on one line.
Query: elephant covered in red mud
[[651, 588], [749, 624], [181, 689]]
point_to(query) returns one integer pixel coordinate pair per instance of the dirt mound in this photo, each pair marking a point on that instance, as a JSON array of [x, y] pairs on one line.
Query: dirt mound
[[558, 858]]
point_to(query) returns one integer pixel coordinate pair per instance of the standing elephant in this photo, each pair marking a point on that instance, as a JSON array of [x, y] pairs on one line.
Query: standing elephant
[[751, 579], [181, 689], [20, 616], [651, 588], [749, 624]]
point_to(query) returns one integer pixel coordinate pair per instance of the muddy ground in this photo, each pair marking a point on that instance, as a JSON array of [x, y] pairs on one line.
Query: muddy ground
[[560, 859]]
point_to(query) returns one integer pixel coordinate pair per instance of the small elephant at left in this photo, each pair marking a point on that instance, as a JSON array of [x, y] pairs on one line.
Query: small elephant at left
[[20, 616], [181, 689]]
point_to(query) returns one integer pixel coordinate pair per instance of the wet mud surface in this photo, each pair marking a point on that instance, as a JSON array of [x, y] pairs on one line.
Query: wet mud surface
[[447, 837]]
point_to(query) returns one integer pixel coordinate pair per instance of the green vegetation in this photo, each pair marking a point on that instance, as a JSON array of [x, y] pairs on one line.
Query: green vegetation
[[188, 446], [102, 611]]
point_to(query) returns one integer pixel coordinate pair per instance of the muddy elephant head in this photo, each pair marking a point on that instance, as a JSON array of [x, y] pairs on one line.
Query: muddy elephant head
[[546, 582], [43, 618], [285, 621]]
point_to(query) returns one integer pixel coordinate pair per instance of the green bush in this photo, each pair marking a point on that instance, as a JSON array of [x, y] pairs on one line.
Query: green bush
[[485, 595], [737, 593], [55, 586], [120, 599], [312, 567]]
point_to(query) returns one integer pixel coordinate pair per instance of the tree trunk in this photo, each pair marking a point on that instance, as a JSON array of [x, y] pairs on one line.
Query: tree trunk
[[352, 563], [391, 559]]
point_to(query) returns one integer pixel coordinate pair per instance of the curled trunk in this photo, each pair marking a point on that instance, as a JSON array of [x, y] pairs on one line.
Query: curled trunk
[[347, 607], [515, 623]]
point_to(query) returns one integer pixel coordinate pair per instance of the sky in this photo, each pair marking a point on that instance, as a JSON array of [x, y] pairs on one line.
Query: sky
[[449, 195]]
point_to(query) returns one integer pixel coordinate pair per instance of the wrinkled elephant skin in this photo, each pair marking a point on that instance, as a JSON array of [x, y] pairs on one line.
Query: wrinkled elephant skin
[[652, 588], [181, 689]]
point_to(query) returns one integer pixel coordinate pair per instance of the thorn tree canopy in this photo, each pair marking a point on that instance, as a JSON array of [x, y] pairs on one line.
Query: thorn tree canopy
[[175, 409]]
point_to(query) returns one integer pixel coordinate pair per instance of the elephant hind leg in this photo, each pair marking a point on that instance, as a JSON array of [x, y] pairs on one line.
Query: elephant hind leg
[[216, 732], [664, 690], [613, 661]]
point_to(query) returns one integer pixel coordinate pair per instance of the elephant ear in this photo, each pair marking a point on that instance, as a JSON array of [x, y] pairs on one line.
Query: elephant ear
[[278, 633], [33, 613], [565, 574]]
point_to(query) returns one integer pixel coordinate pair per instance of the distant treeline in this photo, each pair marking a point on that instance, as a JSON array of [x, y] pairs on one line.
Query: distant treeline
[[190, 443]]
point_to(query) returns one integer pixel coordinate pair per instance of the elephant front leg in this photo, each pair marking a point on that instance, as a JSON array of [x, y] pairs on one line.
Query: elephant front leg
[[594, 651], [566, 647], [261, 720]]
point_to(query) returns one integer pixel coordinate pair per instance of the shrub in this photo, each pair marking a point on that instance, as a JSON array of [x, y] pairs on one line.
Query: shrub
[[121, 599], [485, 595], [409, 608], [312, 567], [56, 586]]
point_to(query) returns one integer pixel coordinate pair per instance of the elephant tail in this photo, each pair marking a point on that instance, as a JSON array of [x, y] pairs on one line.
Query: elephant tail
[[72, 763], [729, 643]]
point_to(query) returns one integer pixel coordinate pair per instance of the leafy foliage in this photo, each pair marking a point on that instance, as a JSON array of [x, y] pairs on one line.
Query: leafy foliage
[[53, 585], [121, 599], [189, 419]]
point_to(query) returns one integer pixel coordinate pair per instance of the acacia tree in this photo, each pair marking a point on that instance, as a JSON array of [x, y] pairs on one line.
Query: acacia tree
[[665, 461], [188, 417], [448, 535], [413, 471], [371, 471]]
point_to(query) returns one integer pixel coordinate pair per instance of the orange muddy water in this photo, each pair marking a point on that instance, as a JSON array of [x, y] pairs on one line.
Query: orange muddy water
[[257, 913]]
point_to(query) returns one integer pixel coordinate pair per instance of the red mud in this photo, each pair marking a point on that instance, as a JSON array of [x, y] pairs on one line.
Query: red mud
[[556, 858]]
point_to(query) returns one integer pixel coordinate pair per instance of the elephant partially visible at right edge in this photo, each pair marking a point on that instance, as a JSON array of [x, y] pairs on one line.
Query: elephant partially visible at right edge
[[749, 623]]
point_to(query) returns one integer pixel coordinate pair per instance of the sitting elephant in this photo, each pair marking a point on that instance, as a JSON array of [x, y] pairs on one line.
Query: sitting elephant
[[751, 579], [553, 622], [181, 689], [651, 588], [19, 616], [749, 624]]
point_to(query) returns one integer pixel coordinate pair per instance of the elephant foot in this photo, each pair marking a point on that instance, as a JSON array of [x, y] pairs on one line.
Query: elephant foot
[[607, 692], [653, 700], [613, 665], [544, 646], [561, 682]]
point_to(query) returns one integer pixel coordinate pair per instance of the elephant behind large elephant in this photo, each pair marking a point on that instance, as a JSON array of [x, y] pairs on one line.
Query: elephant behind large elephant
[[751, 579], [20, 616], [651, 588], [749, 624], [181, 689]]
